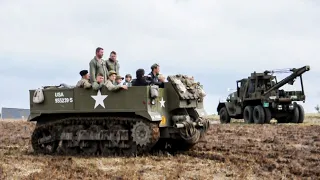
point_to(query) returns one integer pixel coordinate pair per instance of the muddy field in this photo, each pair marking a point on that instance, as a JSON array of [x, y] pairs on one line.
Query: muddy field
[[234, 151]]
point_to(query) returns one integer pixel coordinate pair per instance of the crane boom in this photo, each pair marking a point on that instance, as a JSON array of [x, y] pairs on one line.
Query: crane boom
[[295, 74]]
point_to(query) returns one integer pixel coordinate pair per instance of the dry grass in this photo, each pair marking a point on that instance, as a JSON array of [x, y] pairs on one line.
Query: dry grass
[[310, 118], [231, 151]]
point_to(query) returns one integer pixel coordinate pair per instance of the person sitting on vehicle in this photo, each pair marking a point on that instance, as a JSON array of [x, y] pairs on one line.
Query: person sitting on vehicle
[[110, 84], [140, 80], [96, 85], [153, 75], [119, 80], [85, 80], [128, 79], [162, 79]]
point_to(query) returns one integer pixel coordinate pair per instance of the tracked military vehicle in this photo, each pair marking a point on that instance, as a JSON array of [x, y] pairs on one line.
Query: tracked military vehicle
[[259, 98], [74, 120]]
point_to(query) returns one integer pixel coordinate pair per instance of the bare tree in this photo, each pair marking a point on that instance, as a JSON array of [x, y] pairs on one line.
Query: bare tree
[[317, 108]]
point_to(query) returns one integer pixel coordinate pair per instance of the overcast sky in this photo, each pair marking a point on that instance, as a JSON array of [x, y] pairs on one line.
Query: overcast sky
[[217, 41]]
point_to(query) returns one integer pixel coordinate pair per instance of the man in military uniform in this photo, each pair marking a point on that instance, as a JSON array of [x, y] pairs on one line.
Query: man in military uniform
[[99, 82], [84, 82], [119, 79], [111, 82], [98, 65], [128, 80], [112, 63]]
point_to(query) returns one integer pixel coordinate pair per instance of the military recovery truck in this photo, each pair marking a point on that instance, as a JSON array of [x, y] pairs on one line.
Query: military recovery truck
[[72, 120], [258, 99]]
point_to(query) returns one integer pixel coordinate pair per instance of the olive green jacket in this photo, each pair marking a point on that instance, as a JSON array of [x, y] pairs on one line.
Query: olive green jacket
[[96, 67], [84, 83], [111, 65], [96, 86]]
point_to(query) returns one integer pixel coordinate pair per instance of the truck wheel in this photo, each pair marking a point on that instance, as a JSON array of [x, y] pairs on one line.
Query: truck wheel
[[301, 113], [258, 115], [295, 116], [247, 114], [268, 115], [224, 116]]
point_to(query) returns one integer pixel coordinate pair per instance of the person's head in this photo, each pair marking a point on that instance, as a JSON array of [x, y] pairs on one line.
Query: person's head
[[99, 52], [155, 68], [119, 79], [84, 74], [128, 77], [100, 77], [112, 75], [161, 78], [140, 73], [113, 55]]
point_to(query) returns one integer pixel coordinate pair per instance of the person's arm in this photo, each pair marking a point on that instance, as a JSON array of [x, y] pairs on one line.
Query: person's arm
[[86, 84], [92, 70], [118, 68], [112, 87], [96, 85]]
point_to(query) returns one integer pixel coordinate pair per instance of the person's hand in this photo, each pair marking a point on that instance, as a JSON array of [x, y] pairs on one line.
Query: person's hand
[[124, 87]]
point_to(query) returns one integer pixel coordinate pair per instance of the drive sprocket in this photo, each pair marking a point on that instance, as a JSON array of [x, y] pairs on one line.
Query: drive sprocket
[[141, 133]]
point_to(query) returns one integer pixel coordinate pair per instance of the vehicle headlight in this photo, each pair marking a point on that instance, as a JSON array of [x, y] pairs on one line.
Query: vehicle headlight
[[279, 107], [272, 97], [291, 106], [294, 97]]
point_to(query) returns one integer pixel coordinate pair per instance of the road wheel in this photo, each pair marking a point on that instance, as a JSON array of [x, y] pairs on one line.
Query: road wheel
[[268, 115], [258, 115], [224, 116], [295, 116], [301, 113], [247, 114]]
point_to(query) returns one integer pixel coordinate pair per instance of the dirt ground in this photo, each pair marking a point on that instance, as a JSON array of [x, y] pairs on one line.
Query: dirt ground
[[232, 151]]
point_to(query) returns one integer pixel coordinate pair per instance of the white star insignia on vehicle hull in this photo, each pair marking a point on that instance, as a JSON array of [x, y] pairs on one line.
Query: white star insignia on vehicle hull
[[99, 99], [162, 102]]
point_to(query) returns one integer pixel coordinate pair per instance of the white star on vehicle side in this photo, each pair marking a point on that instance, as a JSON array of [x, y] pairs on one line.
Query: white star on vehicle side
[[99, 99], [162, 102]]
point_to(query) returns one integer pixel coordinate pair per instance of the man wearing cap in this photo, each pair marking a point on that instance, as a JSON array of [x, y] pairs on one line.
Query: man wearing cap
[[128, 80], [110, 84], [112, 63], [119, 79], [98, 65], [99, 82], [84, 82]]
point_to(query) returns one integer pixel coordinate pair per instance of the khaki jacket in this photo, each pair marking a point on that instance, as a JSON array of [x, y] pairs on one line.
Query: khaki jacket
[[111, 87], [98, 67], [84, 83]]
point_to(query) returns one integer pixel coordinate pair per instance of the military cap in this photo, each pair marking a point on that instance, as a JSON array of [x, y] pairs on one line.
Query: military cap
[[112, 72], [83, 72], [128, 75], [155, 65], [119, 77]]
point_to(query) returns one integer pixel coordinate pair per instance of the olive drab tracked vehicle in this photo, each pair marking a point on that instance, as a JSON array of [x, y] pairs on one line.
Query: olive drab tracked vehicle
[[74, 120], [259, 98]]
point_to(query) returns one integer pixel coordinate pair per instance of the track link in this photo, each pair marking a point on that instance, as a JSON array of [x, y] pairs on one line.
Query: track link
[[107, 136]]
